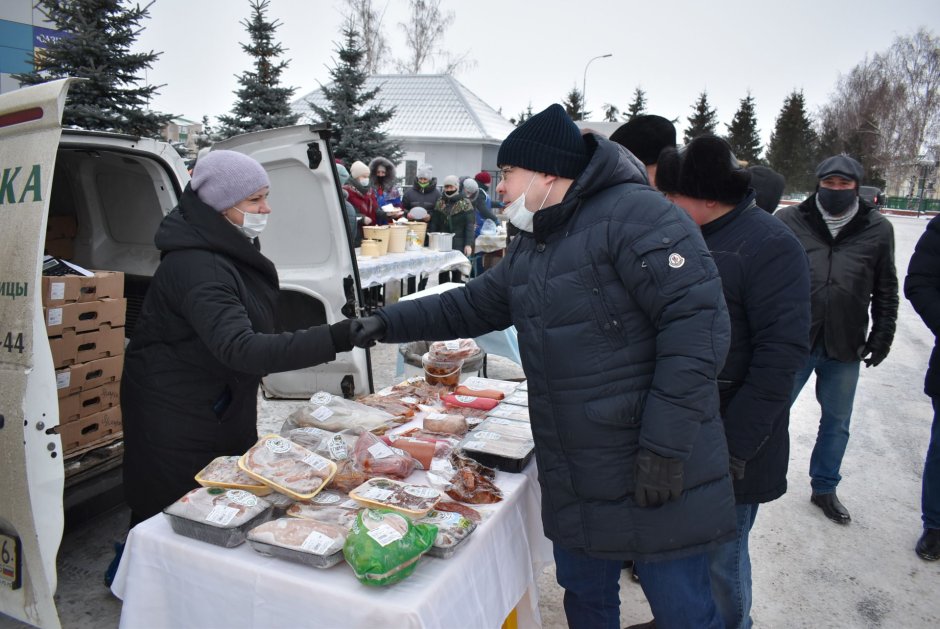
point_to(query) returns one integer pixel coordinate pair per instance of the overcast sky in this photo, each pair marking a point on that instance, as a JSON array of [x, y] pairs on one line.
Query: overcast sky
[[535, 51]]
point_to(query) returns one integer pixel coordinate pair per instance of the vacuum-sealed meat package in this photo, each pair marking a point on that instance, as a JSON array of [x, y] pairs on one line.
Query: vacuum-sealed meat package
[[218, 516], [445, 423], [470, 401], [334, 413], [458, 349], [332, 507], [224, 472], [384, 547], [406, 498], [287, 467], [376, 458], [452, 530], [309, 542]]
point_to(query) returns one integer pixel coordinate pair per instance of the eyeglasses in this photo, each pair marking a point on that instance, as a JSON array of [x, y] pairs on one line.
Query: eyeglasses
[[504, 173]]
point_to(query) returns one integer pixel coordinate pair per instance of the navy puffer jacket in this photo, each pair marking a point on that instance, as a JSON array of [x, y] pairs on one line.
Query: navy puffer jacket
[[622, 330]]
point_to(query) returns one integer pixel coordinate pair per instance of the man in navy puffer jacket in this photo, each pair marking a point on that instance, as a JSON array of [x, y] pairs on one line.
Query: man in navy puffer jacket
[[622, 329]]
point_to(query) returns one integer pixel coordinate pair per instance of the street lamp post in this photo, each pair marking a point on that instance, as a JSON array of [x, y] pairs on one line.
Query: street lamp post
[[584, 83]]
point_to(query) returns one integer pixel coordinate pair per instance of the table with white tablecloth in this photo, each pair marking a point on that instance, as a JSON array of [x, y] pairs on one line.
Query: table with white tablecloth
[[397, 266], [167, 580]]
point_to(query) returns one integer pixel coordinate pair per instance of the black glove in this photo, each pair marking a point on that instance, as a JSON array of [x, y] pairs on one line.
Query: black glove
[[658, 479], [366, 331], [737, 467], [340, 333], [874, 354]]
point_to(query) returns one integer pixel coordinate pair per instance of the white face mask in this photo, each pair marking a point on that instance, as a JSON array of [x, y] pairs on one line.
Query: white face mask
[[363, 181], [252, 224], [519, 215]]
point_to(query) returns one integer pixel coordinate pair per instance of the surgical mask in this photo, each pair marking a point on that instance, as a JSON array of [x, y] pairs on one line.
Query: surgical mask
[[252, 224], [836, 202], [363, 181], [519, 215]]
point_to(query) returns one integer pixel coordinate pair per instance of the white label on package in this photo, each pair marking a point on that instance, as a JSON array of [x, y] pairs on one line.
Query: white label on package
[[63, 379], [377, 494], [56, 290], [487, 434], [436, 416], [326, 498], [351, 504], [221, 515], [318, 543], [421, 491], [466, 399], [322, 414], [317, 462], [313, 432], [277, 445], [337, 448], [474, 445], [242, 497], [384, 535], [442, 517], [452, 345], [54, 316], [321, 397], [501, 421], [380, 450], [410, 400]]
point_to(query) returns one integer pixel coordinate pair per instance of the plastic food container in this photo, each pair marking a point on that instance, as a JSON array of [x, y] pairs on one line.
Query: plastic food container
[[218, 516], [224, 472], [440, 241], [380, 233], [396, 239], [309, 542], [332, 507], [504, 428], [492, 449], [421, 229], [519, 398], [453, 529], [411, 500], [371, 248], [511, 411], [289, 468], [441, 372]]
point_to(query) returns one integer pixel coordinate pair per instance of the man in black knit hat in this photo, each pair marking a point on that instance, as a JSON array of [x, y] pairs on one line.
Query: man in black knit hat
[[646, 136], [622, 330]]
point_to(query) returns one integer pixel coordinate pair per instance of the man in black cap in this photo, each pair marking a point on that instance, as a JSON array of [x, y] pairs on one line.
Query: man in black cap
[[646, 136], [851, 257], [765, 278], [622, 330]]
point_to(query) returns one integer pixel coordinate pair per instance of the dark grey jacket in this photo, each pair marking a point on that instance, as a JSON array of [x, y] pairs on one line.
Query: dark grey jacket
[[622, 330], [922, 288]]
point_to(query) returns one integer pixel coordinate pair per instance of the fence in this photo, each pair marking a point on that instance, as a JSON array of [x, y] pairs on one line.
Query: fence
[[911, 203]]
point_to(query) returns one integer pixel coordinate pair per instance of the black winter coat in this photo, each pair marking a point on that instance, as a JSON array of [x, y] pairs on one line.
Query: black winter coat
[[416, 196], [622, 330], [204, 338], [847, 274], [922, 288], [765, 278]]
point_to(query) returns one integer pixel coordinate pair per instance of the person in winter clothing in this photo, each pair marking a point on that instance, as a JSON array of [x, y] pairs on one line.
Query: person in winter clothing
[[362, 196], [922, 288], [646, 136], [453, 214], [765, 279], [352, 218], [206, 335], [480, 202], [384, 182], [851, 258], [424, 194], [769, 185], [622, 330]]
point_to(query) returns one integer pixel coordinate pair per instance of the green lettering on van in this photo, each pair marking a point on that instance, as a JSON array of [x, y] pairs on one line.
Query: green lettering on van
[[6, 186], [33, 184]]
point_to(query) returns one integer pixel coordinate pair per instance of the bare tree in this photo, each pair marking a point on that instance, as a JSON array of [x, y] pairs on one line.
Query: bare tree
[[423, 33], [363, 18]]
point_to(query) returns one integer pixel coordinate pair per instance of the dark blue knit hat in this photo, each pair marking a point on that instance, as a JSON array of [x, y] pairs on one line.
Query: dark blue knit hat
[[548, 142]]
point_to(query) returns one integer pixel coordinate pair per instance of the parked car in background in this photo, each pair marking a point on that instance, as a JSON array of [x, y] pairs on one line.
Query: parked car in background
[[873, 195]]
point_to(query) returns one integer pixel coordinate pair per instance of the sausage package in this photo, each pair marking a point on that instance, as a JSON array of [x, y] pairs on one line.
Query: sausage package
[[218, 516], [384, 547]]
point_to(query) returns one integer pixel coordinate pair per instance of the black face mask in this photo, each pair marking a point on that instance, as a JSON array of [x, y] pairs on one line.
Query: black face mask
[[836, 201]]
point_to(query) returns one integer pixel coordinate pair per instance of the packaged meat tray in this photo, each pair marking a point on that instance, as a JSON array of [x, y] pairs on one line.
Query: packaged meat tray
[[332, 507], [334, 413], [218, 516], [519, 398], [458, 349], [280, 502], [494, 450], [224, 472], [411, 500], [511, 411], [486, 387], [384, 547], [309, 542], [470, 401], [505, 428], [287, 467], [453, 529]]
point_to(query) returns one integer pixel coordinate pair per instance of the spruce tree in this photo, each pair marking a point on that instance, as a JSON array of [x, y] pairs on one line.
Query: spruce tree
[[356, 123], [638, 106], [522, 117], [99, 35], [574, 105], [262, 103], [743, 135], [703, 120], [792, 151]]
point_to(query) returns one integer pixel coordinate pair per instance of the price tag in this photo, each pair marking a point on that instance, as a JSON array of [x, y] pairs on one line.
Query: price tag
[[317, 462], [57, 291], [322, 414], [452, 345], [384, 535], [54, 316], [380, 450], [318, 543], [10, 575], [376, 494], [221, 515], [488, 435]]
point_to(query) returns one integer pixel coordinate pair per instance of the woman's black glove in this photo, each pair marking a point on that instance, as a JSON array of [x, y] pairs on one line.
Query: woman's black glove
[[366, 331], [341, 338], [658, 479]]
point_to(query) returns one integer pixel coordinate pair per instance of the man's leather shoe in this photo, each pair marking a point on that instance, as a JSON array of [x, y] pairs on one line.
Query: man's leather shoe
[[928, 546], [643, 625], [830, 505]]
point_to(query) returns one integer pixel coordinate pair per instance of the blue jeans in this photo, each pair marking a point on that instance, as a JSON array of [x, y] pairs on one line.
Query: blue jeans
[[730, 569], [678, 591], [835, 392], [930, 495]]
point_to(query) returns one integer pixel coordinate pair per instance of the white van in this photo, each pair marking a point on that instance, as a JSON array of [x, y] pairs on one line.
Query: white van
[[118, 188]]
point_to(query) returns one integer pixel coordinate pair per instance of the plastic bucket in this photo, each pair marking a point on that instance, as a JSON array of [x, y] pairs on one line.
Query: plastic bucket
[[396, 240], [371, 248], [442, 372], [380, 233], [440, 241]]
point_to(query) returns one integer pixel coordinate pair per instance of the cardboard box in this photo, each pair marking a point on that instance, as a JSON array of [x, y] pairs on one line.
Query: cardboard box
[[66, 289], [87, 430], [61, 227], [88, 375], [89, 402], [81, 347], [85, 316]]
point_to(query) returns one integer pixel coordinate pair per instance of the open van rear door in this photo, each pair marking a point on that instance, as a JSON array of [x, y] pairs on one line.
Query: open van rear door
[[307, 238], [31, 481]]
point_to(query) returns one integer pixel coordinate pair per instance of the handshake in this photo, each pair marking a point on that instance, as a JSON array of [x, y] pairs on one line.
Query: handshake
[[350, 333]]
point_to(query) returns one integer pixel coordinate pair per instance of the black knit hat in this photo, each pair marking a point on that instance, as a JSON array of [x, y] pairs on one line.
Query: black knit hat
[[705, 168], [769, 185], [646, 136], [548, 142], [841, 165]]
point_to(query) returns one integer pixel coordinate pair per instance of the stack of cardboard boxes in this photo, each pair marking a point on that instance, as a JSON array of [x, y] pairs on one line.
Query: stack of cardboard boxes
[[85, 322]]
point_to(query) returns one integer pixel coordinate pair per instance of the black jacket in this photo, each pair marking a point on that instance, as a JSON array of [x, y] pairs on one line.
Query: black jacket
[[622, 330], [765, 279], [416, 196], [922, 288], [204, 338], [847, 274]]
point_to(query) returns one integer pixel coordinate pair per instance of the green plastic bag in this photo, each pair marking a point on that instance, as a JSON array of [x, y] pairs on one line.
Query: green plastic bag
[[384, 547]]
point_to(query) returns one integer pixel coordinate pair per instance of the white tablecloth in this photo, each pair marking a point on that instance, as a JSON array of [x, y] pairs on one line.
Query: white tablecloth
[[487, 243], [167, 580], [397, 266]]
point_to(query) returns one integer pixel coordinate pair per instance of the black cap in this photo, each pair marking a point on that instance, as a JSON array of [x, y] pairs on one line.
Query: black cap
[[548, 142], [769, 185], [646, 136], [841, 165], [705, 168]]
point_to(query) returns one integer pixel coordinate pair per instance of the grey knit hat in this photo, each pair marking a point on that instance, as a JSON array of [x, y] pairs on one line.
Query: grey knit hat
[[223, 178]]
